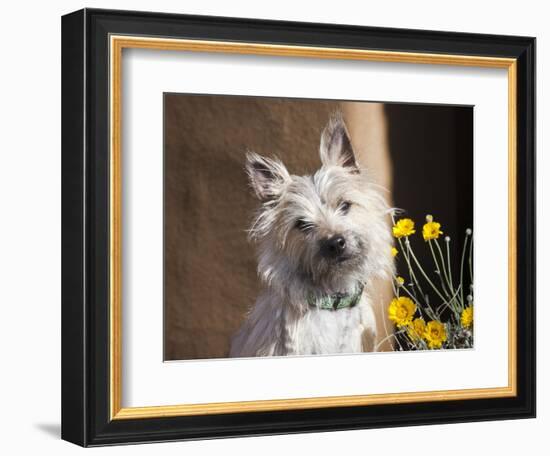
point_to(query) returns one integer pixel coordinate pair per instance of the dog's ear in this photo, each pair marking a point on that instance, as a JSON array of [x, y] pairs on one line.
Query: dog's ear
[[267, 177], [335, 148]]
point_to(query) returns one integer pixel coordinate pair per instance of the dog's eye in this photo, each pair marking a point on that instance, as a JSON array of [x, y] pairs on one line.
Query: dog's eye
[[304, 225], [344, 207]]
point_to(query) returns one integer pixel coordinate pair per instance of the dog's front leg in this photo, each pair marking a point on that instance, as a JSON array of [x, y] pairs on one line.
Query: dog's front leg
[[368, 321], [290, 330]]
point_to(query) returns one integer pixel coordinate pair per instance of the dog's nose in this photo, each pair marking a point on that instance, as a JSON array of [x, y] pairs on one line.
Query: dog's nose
[[334, 246]]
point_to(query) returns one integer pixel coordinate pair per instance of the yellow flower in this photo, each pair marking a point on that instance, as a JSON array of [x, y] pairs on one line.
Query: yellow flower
[[417, 329], [431, 230], [403, 227], [401, 311], [435, 334], [467, 317], [400, 281], [394, 252]]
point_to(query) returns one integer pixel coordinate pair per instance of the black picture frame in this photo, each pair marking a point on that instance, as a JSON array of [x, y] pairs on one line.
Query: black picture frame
[[85, 228]]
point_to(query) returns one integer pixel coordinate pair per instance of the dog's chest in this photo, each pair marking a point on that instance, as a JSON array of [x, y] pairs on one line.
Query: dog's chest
[[322, 331]]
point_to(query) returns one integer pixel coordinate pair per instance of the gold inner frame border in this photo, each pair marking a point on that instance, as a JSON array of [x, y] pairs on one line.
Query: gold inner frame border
[[116, 46]]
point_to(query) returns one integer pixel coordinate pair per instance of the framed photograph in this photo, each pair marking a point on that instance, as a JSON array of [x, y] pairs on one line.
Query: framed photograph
[[275, 227]]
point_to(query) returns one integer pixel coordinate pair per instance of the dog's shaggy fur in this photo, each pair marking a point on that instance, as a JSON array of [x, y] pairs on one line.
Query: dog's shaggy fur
[[299, 217]]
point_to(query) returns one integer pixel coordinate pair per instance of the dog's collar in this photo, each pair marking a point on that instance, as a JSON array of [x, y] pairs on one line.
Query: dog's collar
[[336, 301]]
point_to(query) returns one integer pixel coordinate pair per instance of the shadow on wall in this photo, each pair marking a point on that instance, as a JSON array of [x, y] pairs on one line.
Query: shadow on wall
[[210, 267], [432, 155]]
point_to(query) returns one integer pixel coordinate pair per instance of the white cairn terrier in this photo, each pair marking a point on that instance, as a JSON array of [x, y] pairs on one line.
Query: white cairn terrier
[[322, 239]]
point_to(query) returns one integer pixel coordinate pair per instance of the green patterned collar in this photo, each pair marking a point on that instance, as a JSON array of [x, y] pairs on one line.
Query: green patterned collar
[[337, 301]]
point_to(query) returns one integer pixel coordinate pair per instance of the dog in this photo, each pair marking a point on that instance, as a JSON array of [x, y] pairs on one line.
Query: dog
[[322, 240]]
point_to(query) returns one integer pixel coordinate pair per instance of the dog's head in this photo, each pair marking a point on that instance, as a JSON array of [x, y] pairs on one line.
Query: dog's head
[[329, 229]]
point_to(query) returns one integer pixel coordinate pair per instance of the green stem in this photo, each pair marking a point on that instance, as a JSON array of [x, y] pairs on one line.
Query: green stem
[[448, 249], [438, 270], [448, 276], [470, 260], [412, 275], [462, 271], [444, 269], [388, 337], [427, 278]]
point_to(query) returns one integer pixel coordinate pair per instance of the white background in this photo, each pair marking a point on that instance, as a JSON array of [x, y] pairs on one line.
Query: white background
[[147, 74], [30, 229]]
